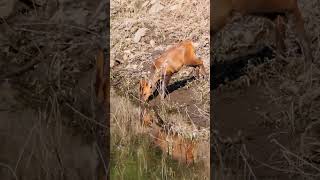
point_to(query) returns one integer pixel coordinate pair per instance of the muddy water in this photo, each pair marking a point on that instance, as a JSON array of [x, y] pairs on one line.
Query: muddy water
[[248, 112], [178, 147], [145, 153], [146, 161]]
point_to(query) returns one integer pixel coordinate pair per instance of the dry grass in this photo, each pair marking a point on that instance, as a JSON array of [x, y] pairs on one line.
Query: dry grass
[[47, 52], [35, 144], [172, 22], [284, 85]]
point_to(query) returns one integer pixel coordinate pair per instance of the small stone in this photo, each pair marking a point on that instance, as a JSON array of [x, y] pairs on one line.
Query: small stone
[[152, 43], [140, 33], [156, 8]]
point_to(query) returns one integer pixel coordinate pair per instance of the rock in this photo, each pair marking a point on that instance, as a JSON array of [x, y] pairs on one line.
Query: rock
[[174, 7], [140, 33], [156, 8], [154, 1], [152, 43], [132, 66], [195, 44], [159, 48]]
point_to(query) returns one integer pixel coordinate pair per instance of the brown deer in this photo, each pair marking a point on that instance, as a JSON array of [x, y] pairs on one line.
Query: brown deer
[[179, 148], [167, 65]]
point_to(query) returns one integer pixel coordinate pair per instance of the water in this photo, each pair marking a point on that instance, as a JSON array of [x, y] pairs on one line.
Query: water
[[140, 159]]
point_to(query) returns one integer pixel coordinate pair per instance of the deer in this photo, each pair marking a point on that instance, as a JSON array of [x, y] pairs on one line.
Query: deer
[[169, 63], [177, 147], [170, 143]]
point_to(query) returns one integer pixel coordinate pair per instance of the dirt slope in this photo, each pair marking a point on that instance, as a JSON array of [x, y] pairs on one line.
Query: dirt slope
[[141, 30]]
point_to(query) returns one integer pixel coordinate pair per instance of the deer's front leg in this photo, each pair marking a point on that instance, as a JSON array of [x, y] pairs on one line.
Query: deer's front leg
[[165, 83]]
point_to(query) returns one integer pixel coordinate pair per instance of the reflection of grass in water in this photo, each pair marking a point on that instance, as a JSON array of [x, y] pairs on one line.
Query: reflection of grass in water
[[140, 160], [133, 155]]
